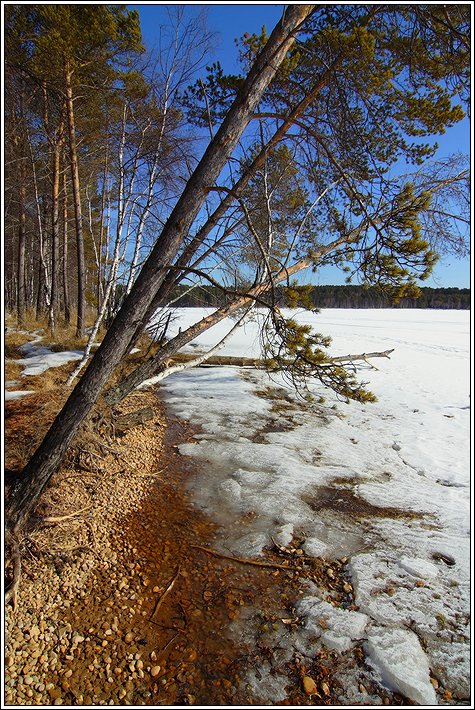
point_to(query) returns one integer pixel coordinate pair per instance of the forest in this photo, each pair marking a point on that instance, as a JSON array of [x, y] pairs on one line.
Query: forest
[[131, 174], [349, 296]]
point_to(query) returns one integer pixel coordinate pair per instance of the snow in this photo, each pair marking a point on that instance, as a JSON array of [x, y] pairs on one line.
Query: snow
[[299, 468], [16, 394], [37, 359], [341, 627]]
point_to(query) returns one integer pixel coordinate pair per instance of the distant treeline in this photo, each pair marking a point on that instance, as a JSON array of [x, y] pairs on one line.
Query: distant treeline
[[339, 297]]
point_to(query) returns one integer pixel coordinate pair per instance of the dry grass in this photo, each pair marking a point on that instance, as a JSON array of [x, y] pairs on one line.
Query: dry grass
[[12, 370], [64, 337], [28, 419], [26, 422], [53, 379]]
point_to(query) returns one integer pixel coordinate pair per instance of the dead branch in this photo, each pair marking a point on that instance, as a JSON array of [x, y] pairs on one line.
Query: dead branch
[[169, 628], [243, 561], [167, 591], [361, 356], [257, 363], [91, 453]]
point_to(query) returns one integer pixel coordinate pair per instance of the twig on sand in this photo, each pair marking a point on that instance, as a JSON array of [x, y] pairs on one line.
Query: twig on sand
[[169, 643], [243, 561], [169, 628], [167, 591]]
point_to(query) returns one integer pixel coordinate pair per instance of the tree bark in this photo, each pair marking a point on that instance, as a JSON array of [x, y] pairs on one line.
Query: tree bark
[[66, 298], [117, 340], [21, 292], [42, 300], [129, 421], [73, 158], [55, 183]]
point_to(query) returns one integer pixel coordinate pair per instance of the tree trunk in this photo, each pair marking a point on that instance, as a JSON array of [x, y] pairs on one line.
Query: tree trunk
[[55, 182], [73, 158], [117, 340], [129, 421], [149, 368], [99, 284], [43, 295], [66, 299], [21, 295]]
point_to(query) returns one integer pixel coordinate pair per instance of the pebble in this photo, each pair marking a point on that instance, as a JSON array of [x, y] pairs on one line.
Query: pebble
[[154, 671], [129, 637], [309, 685]]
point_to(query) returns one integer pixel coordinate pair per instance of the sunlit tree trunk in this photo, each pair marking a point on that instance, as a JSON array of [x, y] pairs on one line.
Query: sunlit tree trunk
[[55, 188], [21, 294], [66, 297], [73, 158]]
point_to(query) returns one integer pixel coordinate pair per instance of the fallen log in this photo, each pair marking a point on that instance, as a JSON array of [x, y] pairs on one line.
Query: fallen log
[[223, 360]]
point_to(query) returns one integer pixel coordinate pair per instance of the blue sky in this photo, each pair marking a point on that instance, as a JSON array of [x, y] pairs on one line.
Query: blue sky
[[230, 21]]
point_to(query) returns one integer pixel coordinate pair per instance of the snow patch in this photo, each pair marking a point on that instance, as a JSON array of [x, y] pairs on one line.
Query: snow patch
[[16, 394], [43, 358]]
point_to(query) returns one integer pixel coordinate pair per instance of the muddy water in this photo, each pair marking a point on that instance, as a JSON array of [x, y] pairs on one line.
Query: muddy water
[[190, 632]]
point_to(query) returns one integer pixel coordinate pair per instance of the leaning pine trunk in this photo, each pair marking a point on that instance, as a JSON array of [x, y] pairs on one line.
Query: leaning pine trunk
[[117, 340]]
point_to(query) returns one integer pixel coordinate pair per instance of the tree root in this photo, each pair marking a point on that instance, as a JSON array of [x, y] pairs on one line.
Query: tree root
[[60, 518], [12, 592]]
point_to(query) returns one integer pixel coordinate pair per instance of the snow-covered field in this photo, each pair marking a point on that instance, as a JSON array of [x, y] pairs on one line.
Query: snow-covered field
[[322, 473]]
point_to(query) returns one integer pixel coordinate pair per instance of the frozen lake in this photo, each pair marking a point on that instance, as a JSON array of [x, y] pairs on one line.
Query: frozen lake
[[409, 451]]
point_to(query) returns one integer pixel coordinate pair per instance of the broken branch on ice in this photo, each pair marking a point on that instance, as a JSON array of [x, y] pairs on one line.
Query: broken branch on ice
[[253, 362]]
